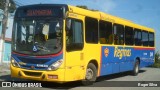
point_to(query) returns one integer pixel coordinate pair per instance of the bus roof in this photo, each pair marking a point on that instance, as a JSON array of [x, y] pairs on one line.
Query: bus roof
[[107, 17], [94, 14], [42, 5]]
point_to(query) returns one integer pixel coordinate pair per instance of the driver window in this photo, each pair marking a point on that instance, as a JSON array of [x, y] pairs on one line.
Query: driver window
[[74, 34]]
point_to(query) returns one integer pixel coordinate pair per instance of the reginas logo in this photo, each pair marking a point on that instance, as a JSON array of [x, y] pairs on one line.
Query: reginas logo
[[118, 52], [106, 52]]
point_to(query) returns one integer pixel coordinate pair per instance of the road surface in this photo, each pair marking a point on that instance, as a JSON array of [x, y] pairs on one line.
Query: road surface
[[121, 81]]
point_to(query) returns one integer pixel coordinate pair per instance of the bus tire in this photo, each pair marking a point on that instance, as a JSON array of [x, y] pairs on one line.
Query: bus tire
[[91, 74], [136, 68]]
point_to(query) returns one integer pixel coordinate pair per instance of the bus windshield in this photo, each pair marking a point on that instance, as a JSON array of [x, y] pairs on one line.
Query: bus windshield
[[37, 36]]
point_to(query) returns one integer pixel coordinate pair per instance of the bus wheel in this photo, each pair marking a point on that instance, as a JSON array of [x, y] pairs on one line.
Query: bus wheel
[[91, 74], [136, 68]]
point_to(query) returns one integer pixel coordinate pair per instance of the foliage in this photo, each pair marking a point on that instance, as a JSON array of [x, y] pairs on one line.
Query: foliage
[[85, 7], [82, 6], [11, 8], [156, 65], [157, 57], [157, 60]]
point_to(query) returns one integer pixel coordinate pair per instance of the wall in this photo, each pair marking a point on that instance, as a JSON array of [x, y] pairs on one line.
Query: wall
[[0, 32], [1, 13], [7, 52], [0, 26], [7, 45]]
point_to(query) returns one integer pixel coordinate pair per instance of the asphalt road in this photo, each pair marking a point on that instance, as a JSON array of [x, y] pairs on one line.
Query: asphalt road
[[123, 81]]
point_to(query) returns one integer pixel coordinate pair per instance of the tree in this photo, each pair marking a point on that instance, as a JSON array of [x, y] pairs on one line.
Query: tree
[[82, 6], [85, 7], [157, 57], [12, 7]]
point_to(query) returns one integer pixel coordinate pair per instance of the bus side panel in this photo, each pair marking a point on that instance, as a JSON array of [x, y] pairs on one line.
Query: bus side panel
[[126, 66], [106, 69], [146, 56], [106, 60], [128, 63], [111, 60], [151, 57], [115, 59]]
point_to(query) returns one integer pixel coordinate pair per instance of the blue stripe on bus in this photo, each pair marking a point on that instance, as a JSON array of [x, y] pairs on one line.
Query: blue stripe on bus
[[29, 61], [115, 59]]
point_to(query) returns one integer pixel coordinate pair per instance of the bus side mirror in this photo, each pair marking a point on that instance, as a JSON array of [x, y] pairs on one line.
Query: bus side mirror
[[68, 25]]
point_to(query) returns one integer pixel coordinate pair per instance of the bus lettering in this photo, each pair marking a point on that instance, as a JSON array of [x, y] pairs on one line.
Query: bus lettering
[[122, 52], [39, 12], [42, 65]]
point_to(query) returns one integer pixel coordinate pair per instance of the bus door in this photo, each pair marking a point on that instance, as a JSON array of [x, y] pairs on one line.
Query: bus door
[[74, 47]]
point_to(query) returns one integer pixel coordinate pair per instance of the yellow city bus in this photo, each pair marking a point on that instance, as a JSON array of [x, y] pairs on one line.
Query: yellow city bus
[[62, 43]]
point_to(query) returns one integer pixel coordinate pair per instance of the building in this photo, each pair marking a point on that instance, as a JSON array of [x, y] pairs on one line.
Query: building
[[7, 51], [1, 13], [7, 44]]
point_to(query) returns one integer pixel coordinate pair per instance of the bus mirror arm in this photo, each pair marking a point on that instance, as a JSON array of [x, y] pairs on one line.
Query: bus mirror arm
[[64, 13], [68, 25]]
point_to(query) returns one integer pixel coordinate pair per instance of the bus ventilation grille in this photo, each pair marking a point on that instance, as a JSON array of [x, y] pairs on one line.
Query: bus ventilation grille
[[32, 73]]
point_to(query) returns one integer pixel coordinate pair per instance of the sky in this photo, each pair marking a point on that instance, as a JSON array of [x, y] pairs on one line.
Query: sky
[[143, 12]]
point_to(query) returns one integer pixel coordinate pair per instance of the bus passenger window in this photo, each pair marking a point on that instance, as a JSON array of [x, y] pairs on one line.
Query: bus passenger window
[[91, 32], [145, 38], [118, 34], [151, 39], [137, 37], [105, 31], [129, 35]]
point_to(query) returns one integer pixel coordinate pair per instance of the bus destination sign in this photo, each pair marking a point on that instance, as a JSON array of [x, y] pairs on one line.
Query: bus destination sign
[[39, 11], [42, 12]]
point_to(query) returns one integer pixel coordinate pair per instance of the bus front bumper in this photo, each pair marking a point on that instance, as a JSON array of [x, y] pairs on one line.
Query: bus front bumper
[[56, 76]]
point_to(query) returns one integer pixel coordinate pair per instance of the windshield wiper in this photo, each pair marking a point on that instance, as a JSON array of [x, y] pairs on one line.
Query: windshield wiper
[[41, 48]]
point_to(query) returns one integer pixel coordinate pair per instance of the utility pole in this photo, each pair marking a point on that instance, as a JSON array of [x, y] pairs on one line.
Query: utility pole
[[4, 27]]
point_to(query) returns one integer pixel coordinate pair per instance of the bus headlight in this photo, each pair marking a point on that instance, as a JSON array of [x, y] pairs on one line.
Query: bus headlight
[[55, 65], [14, 62]]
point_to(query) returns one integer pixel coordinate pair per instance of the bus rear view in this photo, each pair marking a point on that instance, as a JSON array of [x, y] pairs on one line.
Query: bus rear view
[[37, 48]]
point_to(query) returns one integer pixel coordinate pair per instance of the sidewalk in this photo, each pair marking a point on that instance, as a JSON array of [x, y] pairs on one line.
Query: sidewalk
[[4, 69], [5, 73]]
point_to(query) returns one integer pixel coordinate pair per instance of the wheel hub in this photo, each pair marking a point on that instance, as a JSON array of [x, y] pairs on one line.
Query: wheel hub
[[89, 74]]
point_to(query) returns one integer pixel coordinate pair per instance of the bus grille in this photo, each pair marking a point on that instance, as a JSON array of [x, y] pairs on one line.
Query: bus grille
[[33, 61], [37, 74]]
